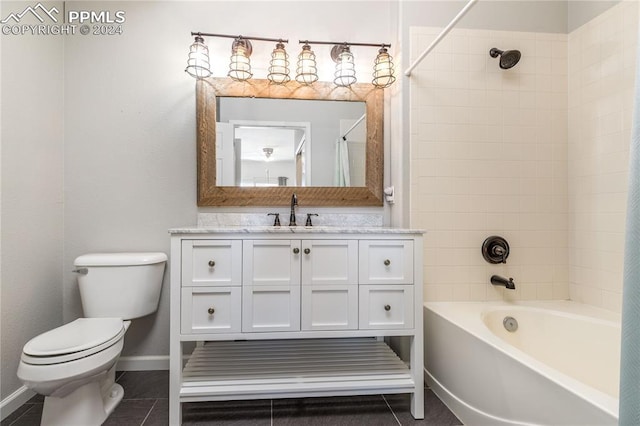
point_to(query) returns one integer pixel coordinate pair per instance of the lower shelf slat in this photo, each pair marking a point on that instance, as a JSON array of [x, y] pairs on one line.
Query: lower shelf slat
[[281, 369]]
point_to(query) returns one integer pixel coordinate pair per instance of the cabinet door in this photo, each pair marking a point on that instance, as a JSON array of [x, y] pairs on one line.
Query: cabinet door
[[211, 310], [211, 263], [329, 262], [270, 308], [386, 306], [386, 262], [271, 262], [329, 307]]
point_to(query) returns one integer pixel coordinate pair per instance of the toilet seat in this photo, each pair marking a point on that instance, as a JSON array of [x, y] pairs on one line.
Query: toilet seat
[[75, 340]]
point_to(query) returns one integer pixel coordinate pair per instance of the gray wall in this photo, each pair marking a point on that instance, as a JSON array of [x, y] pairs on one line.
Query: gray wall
[[581, 12], [31, 207]]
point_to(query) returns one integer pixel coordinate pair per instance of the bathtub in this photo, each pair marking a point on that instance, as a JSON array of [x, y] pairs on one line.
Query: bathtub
[[560, 367]]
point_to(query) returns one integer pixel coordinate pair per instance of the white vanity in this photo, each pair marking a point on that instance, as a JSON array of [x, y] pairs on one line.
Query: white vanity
[[280, 312]]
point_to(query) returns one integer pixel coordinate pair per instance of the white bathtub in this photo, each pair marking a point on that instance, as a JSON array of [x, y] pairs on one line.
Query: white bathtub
[[561, 366]]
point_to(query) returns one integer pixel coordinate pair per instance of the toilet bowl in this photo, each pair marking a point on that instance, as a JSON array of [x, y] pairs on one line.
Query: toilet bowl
[[73, 366]]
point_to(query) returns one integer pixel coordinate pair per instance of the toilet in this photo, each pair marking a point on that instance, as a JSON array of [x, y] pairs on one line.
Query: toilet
[[73, 366]]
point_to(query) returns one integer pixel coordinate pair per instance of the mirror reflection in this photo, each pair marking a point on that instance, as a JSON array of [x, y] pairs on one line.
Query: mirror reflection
[[262, 142]]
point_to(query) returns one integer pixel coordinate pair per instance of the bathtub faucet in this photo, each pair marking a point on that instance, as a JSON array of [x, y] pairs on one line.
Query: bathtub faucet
[[507, 283]]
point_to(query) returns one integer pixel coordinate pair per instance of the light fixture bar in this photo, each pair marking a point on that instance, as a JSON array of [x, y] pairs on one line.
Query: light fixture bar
[[240, 37], [342, 43]]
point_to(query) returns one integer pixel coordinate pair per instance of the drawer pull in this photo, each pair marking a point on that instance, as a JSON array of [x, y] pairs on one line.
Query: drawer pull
[[387, 262], [307, 251], [296, 250], [211, 311], [212, 263], [387, 307]]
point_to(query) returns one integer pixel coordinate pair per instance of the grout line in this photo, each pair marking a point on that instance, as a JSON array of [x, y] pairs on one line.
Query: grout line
[[272, 412], [150, 410], [394, 414], [21, 415]]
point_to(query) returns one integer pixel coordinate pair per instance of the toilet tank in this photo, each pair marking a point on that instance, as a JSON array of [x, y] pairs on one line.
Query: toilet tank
[[120, 285]]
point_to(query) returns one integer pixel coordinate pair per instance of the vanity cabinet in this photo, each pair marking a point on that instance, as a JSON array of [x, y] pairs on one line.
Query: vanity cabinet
[[284, 312]]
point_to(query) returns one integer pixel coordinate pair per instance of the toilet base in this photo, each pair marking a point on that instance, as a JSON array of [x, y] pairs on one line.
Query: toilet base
[[86, 406]]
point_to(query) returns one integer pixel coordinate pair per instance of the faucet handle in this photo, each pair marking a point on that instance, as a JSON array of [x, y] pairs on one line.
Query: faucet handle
[[308, 223], [276, 221]]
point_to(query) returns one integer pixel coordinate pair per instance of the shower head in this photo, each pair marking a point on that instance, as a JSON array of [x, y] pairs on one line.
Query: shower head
[[508, 58]]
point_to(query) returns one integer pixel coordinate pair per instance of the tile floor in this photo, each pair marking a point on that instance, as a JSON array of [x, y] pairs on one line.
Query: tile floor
[[145, 403]]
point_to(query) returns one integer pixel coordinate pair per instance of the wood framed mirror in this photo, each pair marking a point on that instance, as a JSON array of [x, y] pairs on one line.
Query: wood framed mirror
[[209, 92]]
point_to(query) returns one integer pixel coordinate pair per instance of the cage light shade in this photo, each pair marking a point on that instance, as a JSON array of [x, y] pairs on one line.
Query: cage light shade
[[307, 71], [240, 66], [198, 61], [383, 70], [345, 74], [279, 65]]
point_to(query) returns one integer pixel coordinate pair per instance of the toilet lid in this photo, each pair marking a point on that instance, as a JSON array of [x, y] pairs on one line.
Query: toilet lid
[[77, 336]]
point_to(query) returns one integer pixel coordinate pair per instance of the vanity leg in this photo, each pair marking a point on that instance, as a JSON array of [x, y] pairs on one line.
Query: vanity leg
[[175, 380], [417, 371]]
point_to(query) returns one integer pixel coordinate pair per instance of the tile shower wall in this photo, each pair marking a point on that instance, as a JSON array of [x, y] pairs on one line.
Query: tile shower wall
[[489, 157], [602, 61]]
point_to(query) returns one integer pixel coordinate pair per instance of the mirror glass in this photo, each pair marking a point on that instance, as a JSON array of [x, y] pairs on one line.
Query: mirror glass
[[290, 142], [258, 143]]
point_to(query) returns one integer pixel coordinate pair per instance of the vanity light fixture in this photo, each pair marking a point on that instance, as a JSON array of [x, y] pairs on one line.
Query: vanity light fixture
[[345, 74], [279, 65], [383, 69], [307, 71], [240, 64], [198, 62]]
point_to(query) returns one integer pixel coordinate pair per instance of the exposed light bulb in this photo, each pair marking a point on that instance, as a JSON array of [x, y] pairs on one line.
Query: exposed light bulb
[[383, 70], [198, 62], [279, 65], [307, 71], [345, 74], [240, 66]]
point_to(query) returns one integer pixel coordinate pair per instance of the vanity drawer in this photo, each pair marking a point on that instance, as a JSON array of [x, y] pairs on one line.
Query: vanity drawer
[[329, 307], [270, 308], [386, 262], [386, 306], [211, 263], [211, 310]]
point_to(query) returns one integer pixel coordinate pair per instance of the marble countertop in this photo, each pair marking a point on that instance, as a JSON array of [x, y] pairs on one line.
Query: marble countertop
[[291, 230]]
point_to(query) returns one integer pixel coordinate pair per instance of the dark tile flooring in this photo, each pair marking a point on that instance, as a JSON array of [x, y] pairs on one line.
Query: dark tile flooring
[[145, 403]]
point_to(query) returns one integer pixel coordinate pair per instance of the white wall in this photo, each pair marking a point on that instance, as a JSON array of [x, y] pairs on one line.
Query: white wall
[[32, 216], [489, 149], [602, 69]]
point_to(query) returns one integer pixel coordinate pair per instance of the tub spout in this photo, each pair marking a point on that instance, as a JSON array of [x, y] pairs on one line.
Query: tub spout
[[507, 283]]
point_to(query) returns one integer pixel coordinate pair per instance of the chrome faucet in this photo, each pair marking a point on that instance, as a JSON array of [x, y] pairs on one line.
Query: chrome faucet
[[294, 203], [507, 283]]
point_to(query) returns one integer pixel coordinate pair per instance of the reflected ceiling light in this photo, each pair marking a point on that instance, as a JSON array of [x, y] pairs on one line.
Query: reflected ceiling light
[[345, 74], [198, 62], [279, 65], [267, 152], [383, 69], [307, 71], [240, 65]]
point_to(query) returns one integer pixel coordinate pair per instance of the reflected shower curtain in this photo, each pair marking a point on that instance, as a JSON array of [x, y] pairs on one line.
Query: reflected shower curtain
[[630, 351], [342, 177]]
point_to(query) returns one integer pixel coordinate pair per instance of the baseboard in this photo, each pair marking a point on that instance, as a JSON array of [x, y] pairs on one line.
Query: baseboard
[[15, 401], [142, 363]]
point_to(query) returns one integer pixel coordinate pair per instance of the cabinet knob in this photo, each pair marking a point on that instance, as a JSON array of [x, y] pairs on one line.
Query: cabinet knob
[[296, 250], [307, 251], [211, 311], [387, 307], [387, 262], [212, 263]]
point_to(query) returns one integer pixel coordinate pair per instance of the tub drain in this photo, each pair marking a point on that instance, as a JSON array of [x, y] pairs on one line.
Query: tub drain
[[510, 324]]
